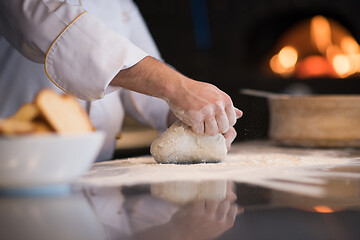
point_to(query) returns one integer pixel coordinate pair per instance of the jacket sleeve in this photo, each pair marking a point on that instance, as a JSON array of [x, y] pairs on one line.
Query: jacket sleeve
[[80, 53]]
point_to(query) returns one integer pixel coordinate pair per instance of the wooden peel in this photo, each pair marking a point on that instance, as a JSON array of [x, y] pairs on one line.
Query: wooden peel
[[312, 120]]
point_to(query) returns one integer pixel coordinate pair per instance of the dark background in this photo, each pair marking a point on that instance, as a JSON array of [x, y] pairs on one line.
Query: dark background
[[225, 42]]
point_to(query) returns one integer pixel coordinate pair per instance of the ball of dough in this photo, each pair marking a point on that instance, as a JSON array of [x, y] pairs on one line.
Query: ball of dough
[[179, 144]]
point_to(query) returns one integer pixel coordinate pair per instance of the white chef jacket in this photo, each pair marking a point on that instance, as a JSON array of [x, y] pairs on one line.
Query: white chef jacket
[[77, 46]]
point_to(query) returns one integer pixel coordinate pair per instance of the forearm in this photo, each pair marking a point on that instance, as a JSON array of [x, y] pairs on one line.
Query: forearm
[[151, 77]]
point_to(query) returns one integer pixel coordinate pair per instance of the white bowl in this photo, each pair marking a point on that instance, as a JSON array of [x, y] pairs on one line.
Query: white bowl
[[43, 160]]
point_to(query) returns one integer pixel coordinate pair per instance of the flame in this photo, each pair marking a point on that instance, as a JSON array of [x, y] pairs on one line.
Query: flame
[[349, 45], [323, 209], [284, 62], [357, 62], [345, 58], [314, 66], [276, 66], [332, 51], [342, 65], [320, 32], [351, 49], [337, 53], [288, 57]]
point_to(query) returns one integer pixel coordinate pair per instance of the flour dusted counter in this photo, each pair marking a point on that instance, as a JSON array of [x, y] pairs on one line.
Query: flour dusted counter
[[261, 191]]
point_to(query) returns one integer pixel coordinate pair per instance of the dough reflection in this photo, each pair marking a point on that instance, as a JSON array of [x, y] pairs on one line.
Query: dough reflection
[[185, 210]]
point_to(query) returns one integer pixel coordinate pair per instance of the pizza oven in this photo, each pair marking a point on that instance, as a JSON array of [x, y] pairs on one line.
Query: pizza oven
[[292, 46]]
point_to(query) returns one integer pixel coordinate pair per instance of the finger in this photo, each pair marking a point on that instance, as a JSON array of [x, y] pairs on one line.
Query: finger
[[222, 211], [229, 137], [231, 216], [198, 127], [222, 122], [211, 207], [231, 114], [239, 113], [231, 196], [230, 191], [211, 127]]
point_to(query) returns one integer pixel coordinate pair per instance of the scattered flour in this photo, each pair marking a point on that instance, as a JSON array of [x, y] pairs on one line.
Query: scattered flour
[[254, 163]]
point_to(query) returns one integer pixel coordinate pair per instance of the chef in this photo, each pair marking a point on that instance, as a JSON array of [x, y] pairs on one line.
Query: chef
[[102, 53]]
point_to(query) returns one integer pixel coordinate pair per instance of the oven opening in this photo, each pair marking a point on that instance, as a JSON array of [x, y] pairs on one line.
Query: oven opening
[[317, 47]]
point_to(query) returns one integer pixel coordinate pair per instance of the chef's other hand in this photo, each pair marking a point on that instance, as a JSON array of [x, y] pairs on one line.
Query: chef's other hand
[[203, 107], [229, 137]]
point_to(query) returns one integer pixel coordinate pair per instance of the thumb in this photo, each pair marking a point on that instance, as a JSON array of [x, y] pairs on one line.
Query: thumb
[[239, 113]]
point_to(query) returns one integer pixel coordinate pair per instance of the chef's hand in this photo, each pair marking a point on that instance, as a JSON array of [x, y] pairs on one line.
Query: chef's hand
[[203, 107], [230, 135]]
